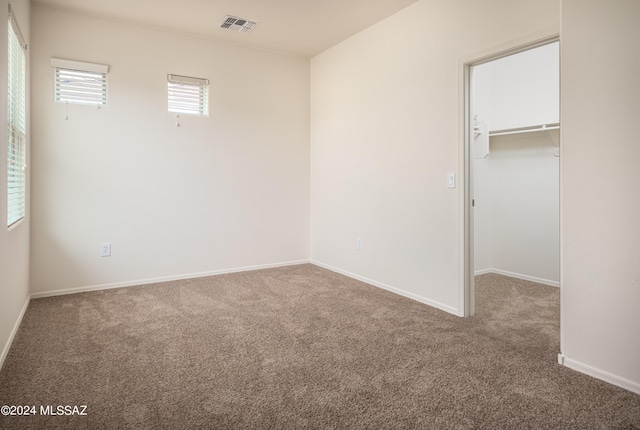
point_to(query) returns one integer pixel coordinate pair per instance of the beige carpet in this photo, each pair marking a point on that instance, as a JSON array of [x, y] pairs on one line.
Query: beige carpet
[[301, 347]]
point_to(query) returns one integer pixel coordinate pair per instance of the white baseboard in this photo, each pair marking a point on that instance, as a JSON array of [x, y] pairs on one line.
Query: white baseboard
[[426, 301], [162, 279], [518, 276], [14, 331], [483, 272], [599, 374]]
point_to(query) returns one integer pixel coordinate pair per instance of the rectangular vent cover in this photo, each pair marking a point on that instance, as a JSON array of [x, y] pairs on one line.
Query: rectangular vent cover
[[238, 24]]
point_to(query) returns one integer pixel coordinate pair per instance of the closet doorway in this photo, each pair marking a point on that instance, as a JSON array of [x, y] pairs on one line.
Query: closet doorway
[[512, 167]]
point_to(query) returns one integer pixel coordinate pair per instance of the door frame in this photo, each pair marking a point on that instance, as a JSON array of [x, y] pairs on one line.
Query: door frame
[[467, 293]]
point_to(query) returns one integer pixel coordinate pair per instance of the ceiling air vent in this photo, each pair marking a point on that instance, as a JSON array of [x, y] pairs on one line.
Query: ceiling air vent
[[238, 24]]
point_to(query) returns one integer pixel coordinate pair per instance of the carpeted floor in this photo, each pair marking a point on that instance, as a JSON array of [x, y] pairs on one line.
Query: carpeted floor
[[301, 347]]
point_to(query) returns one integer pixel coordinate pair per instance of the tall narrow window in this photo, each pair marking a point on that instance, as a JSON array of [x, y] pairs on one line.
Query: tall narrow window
[[188, 95], [80, 82], [16, 118]]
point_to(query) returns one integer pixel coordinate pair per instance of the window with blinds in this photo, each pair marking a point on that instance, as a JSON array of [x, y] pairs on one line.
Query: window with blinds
[[80, 82], [16, 116], [188, 95]]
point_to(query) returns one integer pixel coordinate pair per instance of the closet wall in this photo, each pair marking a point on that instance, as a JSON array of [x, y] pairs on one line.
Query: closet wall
[[516, 184]]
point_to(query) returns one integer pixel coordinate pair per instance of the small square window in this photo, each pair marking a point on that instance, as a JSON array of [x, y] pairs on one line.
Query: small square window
[[188, 95], [79, 82]]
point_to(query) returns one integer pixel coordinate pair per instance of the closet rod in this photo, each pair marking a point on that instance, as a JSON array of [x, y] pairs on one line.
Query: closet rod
[[544, 127]]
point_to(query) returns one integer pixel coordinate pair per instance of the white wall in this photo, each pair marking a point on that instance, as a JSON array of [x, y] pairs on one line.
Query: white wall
[[525, 88], [600, 189], [516, 187], [384, 134], [218, 193], [14, 242], [524, 182]]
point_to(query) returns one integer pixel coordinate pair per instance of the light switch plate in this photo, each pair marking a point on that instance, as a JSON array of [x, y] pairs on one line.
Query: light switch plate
[[451, 180]]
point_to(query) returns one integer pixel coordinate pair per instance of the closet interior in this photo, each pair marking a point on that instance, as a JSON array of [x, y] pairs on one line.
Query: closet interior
[[515, 165]]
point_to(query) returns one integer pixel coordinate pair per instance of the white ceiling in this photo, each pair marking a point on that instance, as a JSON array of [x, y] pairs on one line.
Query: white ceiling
[[298, 27]]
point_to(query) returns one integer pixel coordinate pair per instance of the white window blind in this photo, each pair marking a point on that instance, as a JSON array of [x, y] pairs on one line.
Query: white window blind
[[188, 95], [16, 118], [80, 82]]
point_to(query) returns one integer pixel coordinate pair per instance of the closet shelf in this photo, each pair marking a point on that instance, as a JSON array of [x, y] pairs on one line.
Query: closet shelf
[[531, 129]]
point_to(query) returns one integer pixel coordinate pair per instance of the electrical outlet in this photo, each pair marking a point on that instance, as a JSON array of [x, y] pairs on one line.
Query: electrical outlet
[[359, 244], [105, 249]]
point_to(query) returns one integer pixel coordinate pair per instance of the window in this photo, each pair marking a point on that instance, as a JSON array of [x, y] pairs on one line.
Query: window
[[80, 82], [188, 95], [16, 119]]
